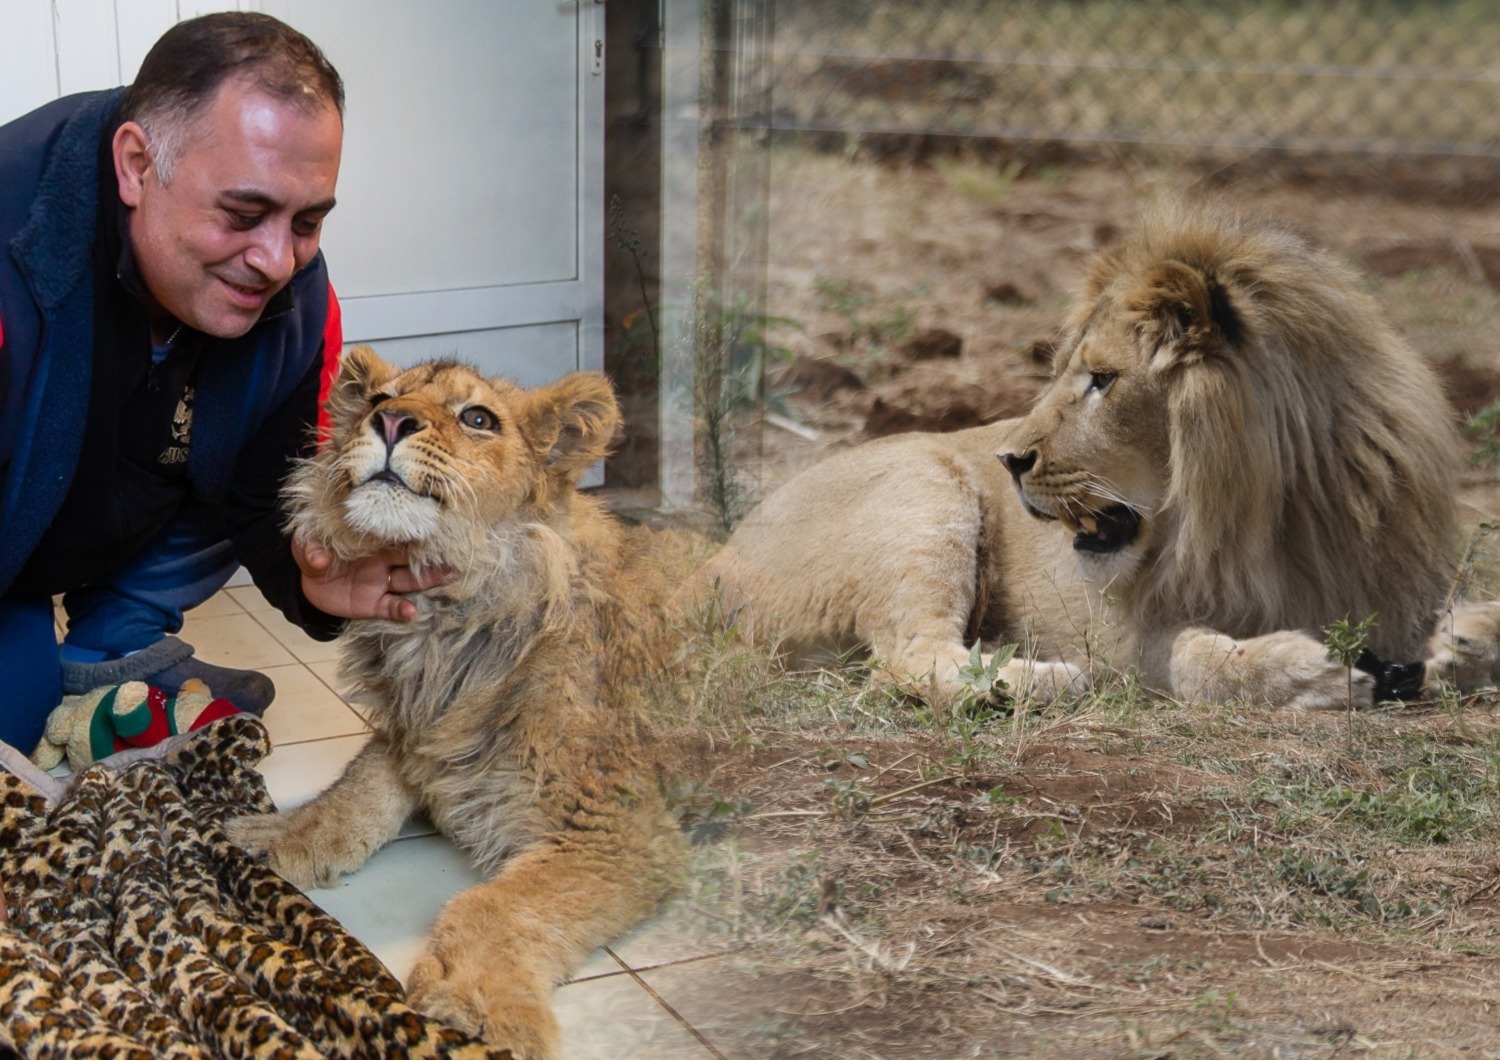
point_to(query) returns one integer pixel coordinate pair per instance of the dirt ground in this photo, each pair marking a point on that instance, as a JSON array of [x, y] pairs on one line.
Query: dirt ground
[[1100, 913], [1118, 878]]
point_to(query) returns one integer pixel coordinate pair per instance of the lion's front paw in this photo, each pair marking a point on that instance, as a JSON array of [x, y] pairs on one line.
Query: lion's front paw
[[1308, 678], [301, 847], [1283, 669], [471, 987]]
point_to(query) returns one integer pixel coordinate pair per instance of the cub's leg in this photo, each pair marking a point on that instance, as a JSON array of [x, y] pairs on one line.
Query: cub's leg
[[335, 833], [1286, 668], [499, 948], [1465, 650]]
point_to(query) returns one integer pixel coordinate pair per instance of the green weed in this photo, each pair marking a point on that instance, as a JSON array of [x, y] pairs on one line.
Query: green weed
[[731, 352]]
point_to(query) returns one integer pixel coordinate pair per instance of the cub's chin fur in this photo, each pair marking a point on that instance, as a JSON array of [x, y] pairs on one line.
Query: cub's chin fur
[[389, 512], [511, 708]]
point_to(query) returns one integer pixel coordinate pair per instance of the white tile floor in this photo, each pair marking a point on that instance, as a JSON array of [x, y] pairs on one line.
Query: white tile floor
[[390, 903]]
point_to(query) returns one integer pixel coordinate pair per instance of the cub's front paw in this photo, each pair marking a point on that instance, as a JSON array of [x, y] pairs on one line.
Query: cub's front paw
[[469, 986], [303, 847]]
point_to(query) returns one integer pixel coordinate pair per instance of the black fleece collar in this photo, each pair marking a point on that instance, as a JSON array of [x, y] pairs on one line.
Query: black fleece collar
[[55, 249]]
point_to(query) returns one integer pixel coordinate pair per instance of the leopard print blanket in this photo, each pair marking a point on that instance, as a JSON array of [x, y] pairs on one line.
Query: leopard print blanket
[[134, 928]]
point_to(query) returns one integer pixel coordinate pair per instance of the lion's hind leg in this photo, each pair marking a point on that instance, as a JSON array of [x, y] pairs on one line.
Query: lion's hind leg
[[1465, 649], [314, 844]]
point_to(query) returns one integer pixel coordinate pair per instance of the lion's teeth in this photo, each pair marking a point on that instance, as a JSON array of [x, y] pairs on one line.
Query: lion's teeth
[[1089, 524]]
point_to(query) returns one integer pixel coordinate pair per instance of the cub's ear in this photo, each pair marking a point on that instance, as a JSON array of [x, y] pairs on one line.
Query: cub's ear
[[1186, 314], [361, 374], [573, 421]]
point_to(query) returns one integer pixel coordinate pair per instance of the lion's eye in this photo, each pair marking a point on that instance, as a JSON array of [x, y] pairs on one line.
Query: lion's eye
[[479, 418], [1100, 381]]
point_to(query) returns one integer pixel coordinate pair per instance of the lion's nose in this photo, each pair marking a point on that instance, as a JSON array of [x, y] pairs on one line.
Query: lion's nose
[[394, 426], [1019, 463]]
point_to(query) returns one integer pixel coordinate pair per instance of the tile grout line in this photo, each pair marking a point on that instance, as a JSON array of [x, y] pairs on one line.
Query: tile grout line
[[696, 1034], [307, 666], [291, 651], [355, 711], [654, 966]]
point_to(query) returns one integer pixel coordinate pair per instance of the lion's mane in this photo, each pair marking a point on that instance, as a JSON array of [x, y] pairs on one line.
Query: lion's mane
[[1312, 453]]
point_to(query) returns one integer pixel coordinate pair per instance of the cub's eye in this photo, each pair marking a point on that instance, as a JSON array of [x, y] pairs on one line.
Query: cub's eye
[[479, 418], [1100, 381], [376, 399]]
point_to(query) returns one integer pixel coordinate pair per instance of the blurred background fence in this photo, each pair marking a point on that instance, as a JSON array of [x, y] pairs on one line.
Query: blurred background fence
[[1396, 98], [1376, 76]]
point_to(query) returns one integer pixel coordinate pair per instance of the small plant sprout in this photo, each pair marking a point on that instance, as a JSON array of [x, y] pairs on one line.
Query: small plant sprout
[[1346, 643], [982, 680]]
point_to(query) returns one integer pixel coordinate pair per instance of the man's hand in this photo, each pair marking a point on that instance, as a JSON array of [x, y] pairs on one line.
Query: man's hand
[[367, 588]]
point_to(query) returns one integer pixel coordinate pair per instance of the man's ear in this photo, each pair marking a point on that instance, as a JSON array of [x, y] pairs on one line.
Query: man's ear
[[573, 421], [132, 156], [361, 374]]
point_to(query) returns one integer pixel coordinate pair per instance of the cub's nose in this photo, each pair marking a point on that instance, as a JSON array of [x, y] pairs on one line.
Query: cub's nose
[[394, 426], [1019, 463]]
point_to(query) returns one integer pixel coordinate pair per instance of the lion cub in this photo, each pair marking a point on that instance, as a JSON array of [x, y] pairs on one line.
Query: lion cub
[[508, 708]]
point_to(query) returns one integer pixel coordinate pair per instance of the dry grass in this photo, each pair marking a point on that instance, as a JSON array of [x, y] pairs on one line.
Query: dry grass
[[1115, 877]]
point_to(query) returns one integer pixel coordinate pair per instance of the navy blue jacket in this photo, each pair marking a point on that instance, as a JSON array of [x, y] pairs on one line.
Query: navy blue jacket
[[256, 396]]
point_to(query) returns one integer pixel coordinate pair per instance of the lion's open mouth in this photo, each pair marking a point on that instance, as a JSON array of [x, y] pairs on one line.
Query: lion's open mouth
[[1105, 532]]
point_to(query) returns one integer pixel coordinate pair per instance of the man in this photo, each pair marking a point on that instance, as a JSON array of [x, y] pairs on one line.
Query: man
[[167, 331]]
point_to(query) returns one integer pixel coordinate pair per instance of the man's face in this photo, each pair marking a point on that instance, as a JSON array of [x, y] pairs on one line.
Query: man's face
[[243, 212]]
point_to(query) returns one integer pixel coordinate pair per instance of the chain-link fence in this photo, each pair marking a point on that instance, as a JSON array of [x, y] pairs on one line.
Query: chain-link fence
[[1382, 76]]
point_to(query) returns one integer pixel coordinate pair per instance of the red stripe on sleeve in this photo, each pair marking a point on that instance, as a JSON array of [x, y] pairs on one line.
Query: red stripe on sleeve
[[333, 348]]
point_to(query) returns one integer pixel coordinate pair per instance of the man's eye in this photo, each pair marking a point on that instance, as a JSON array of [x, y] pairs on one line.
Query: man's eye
[[307, 228], [479, 418], [239, 220]]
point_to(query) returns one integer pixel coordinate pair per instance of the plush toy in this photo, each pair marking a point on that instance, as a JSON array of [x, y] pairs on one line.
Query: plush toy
[[92, 725]]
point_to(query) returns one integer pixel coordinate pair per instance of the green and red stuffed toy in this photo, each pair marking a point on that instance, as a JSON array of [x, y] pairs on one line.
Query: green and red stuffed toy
[[93, 725]]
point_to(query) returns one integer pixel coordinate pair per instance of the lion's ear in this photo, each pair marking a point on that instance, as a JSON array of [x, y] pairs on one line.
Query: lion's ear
[[1186, 314], [361, 374], [573, 421]]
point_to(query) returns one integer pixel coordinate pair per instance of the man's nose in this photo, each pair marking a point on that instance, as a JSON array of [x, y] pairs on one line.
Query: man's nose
[[273, 254]]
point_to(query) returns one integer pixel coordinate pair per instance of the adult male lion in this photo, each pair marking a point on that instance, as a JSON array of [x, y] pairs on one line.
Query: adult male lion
[[1235, 451], [508, 708]]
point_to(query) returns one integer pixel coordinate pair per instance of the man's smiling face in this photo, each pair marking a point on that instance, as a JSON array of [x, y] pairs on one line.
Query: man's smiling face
[[243, 212]]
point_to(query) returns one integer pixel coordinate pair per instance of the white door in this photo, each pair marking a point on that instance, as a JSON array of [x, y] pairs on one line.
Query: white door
[[470, 216]]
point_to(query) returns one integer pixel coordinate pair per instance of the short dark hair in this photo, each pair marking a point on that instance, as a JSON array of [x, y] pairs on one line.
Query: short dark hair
[[184, 70]]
